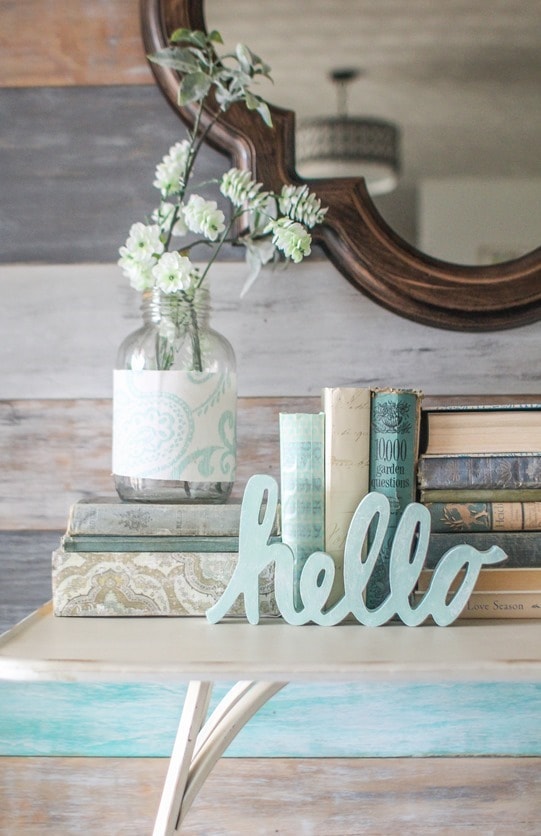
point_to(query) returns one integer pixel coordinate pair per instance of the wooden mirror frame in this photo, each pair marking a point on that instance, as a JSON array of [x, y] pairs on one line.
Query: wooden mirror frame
[[354, 236]]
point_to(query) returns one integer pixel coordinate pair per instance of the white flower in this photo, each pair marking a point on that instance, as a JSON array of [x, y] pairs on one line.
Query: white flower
[[163, 216], [173, 272], [241, 190], [298, 203], [291, 238], [204, 217], [170, 173], [138, 272], [143, 242]]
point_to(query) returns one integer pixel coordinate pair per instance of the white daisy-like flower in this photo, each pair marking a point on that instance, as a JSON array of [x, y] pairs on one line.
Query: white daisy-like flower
[[144, 241], [203, 217], [169, 176], [173, 272], [292, 238], [138, 272]]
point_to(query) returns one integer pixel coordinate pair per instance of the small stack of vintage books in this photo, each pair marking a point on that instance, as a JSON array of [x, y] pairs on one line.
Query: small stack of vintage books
[[480, 478], [122, 558]]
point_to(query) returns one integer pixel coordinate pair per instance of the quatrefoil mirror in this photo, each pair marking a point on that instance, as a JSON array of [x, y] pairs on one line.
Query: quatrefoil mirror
[[355, 236]]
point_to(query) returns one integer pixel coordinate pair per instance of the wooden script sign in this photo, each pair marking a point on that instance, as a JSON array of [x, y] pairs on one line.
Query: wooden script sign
[[408, 555]]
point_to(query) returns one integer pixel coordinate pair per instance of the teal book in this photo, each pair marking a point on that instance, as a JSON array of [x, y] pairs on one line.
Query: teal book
[[394, 446], [484, 516], [118, 544], [302, 487], [113, 516], [513, 470], [523, 548]]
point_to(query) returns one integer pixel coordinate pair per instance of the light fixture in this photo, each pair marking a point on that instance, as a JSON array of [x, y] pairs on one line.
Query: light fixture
[[349, 146]]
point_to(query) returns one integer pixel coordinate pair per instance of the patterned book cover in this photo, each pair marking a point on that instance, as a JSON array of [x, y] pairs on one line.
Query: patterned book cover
[[302, 485], [523, 548], [347, 462], [520, 470], [148, 583], [485, 516], [112, 516], [394, 444]]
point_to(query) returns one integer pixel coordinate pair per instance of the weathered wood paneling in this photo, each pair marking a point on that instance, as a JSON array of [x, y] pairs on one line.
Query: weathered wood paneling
[[55, 452], [51, 43], [296, 331], [288, 797], [76, 168]]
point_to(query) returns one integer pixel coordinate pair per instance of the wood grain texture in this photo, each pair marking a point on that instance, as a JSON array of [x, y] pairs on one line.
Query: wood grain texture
[[339, 797], [57, 451], [48, 43], [77, 165]]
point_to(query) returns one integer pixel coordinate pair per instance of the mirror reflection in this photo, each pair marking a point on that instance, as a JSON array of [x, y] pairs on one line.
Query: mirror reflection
[[461, 84]]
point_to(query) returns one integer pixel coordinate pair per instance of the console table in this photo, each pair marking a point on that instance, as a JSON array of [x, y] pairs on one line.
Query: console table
[[263, 659]]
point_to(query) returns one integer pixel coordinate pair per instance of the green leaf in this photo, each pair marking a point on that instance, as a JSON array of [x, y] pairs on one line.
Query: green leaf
[[215, 37], [194, 87], [244, 57], [175, 57], [191, 36], [264, 112]]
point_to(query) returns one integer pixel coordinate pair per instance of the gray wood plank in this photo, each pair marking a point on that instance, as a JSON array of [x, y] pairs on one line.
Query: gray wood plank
[[77, 165]]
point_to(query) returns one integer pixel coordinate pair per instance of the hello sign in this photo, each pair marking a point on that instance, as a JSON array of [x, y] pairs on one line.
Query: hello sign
[[407, 559]]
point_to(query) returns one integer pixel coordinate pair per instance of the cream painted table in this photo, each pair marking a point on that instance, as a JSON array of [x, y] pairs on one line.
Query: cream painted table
[[263, 659]]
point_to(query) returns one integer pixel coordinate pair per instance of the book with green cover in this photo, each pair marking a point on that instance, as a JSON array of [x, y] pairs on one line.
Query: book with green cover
[[302, 484], [523, 548], [394, 445], [112, 543], [512, 470], [480, 495], [113, 516], [485, 516]]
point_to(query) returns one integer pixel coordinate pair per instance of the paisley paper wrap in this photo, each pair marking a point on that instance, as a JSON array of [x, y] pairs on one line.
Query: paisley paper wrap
[[174, 425]]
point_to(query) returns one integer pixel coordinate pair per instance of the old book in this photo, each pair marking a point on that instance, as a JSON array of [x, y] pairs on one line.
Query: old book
[[483, 429], [498, 605], [485, 516], [112, 516], [347, 458], [480, 495], [147, 583], [493, 580], [523, 548], [302, 487], [97, 543], [512, 470], [394, 445]]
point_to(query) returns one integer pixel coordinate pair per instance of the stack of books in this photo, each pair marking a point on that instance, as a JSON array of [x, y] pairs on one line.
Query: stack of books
[[120, 558], [480, 477]]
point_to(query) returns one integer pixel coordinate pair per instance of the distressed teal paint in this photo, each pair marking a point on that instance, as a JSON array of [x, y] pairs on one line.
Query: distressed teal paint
[[317, 720]]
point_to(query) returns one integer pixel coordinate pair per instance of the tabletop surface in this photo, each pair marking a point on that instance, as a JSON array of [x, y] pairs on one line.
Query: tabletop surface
[[45, 647]]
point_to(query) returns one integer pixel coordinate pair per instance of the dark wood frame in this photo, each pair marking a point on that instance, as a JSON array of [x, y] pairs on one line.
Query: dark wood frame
[[354, 236]]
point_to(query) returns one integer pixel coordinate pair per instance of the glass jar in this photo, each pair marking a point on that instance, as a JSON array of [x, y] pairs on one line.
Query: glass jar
[[175, 405]]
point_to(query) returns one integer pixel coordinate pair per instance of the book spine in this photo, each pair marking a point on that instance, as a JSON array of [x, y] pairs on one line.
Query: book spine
[[522, 548], [394, 442], [132, 518], [480, 495], [497, 605], [485, 516], [491, 471], [302, 483], [492, 580], [112, 544], [347, 457]]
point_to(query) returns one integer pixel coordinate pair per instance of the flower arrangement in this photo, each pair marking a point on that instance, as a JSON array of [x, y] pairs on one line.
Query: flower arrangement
[[278, 229]]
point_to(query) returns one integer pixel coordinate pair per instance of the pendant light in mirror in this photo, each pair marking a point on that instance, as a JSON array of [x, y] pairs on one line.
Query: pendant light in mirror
[[349, 146]]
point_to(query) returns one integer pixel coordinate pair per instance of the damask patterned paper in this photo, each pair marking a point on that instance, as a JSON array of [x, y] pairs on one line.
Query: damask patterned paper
[[174, 425]]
